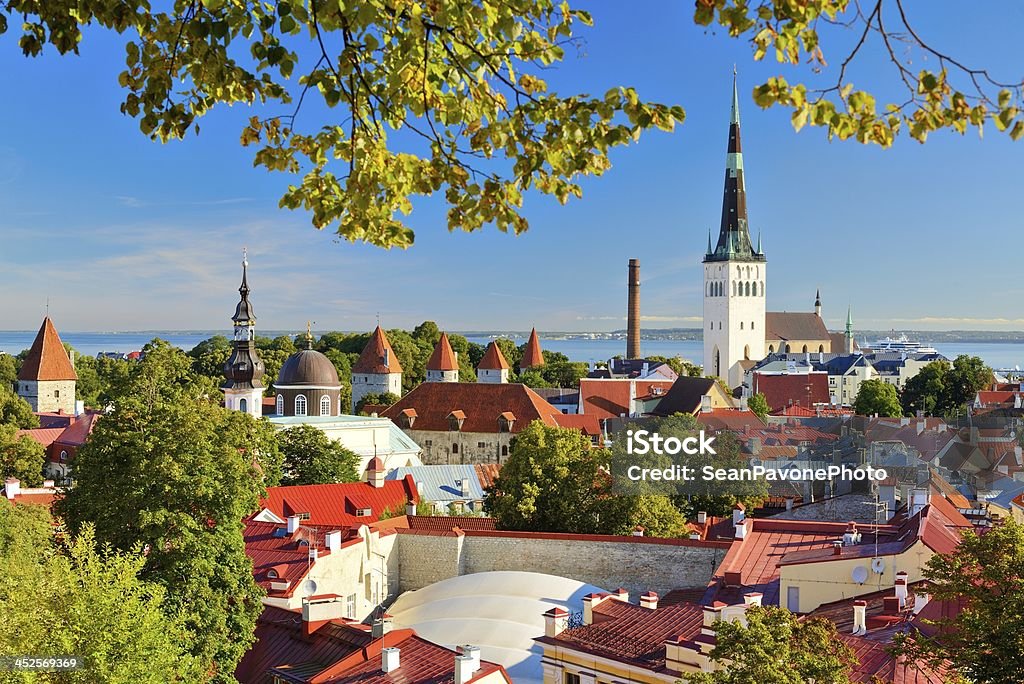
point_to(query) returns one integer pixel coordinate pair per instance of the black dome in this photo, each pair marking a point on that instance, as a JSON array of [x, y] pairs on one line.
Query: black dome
[[308, 367]]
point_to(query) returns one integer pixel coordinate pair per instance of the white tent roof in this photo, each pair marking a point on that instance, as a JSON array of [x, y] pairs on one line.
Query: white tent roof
[[501, 612]]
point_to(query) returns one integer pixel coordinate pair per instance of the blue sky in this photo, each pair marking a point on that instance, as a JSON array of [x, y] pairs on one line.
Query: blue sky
[[125, 234]]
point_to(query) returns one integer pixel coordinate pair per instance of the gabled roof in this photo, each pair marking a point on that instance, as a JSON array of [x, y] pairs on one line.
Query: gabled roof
[[493, 358], [442, 483], [328, 504], [729, 419], [611, 398], [684, 396], [532, 355], [378, 357], [481, 403], [785, 325], [443, 358], [47, 359], [628, 632]]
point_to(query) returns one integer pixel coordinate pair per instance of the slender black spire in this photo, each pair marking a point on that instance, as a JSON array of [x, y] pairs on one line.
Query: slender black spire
[[734, 235], [244, 368]]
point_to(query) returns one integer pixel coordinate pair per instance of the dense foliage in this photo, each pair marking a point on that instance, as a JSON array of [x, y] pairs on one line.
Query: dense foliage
[[68, 596], [170, 471], [776, 646], [983, 584], [877, 397], [944, 389], [311, 457], [21, 457]]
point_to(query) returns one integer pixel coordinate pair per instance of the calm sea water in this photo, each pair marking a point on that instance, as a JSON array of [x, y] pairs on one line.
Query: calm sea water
[[995, 354]]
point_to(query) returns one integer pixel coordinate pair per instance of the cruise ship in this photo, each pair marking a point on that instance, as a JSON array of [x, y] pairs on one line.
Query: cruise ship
[[901, 344]]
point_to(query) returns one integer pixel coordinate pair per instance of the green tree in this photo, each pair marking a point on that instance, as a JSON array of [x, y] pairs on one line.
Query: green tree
[[876, 396], [553, 481], [926, 391], [984, 578], [16, 411], [383, 399], [776, 646], [532, 378], [209, 356], [184, 472], [8, 371], [70, 597], [310, 457], [758, 404], [681, 366], [21, 457], [657, 515], [512, 352], [966, 378]]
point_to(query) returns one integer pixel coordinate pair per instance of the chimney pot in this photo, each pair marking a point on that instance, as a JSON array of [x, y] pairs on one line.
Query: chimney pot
[[333, 540], [752, 599], [293, 523], [649, 600], [555, 621], [702, 517], [12, 487], [638, 531], [410, 508], [837, 548], [860, 617]]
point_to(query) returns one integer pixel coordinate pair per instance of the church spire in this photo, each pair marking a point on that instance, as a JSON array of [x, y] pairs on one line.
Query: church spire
[[734, 230], [244, 369]]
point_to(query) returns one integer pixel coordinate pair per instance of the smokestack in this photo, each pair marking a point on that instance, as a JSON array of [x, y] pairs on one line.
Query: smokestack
[[633, 325]]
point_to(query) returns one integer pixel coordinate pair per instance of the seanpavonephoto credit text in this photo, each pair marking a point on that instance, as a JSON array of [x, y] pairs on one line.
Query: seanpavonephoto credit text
[[711, 474]]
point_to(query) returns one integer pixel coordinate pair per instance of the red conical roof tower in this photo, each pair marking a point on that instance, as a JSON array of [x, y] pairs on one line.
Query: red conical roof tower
[[47, 359], [532, 356], [443, 358]]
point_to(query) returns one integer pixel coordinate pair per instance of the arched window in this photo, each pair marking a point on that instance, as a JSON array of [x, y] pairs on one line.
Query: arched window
[[455, 448], [243, 405], [821, 349], [751, 325], [762, 288], [787, 348], [711, 325], [746, 353], [63, 455], [734, 288], [741, 325], [771, 348], [805, 349], [719, 325], [300, 405], [504, 450], [748, 289], [325, 405], [279, 409]]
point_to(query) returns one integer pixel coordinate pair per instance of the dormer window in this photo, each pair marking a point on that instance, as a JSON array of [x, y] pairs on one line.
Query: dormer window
[[455, 420], [406, 418], [272, 574], [505, 421], [364, 512]]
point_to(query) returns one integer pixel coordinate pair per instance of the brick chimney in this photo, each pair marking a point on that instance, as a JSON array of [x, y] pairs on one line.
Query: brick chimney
[[622, 594], [649, 600], [332, 540], [638, 531], [467, 662], [293, 523], [633, 312], [12, 487], [752, 599], [319, 610], [919, 499]]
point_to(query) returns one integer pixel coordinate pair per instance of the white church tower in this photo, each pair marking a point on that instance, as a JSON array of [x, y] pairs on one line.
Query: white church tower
[[734, 276], [244, 369]]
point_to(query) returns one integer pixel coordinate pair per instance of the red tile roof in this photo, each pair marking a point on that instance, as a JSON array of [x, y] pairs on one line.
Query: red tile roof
[[44, 436], [334, 505], [781, 391], [876, 664], [787, 325], [532, 355], [588, 425], [487, 473], [79, 430], [631, 633], [482, 404], [611, 398], [990, 399], [493, 358], [796, 411], [47, 359], [446, 523], [443, 358], [378, 357]]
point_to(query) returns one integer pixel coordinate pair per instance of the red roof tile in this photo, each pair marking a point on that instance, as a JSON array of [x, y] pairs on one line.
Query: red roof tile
[[47, 359], [486, 473], [805, 389], [44, 436], [532, 355], [443, 358], [788, 325], [611, 398], [482, 404], [378, 357], [729, 419], [627, 632], [588, 425], [493, 358], [327, 504], [446, 523]]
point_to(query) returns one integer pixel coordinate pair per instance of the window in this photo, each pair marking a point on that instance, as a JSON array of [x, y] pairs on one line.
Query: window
[[304, 516], [805, 349], [272, 574], [793, 599], [504, 449], [56, 394], [325, 405], [243, 405], [719, 325], [350, 607], [63, 455], [300, 405], [481, 445], [279, 409], [751, 325], [741, 325], [572, 678], [428, 443], [455, 448]]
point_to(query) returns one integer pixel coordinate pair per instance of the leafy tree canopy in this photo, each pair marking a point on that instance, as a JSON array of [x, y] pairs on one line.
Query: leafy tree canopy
[[758, 404], [8, 371], [876, 396], [311, 457], [382, 399], [171, 471], [984, 577], [16, 411], [70, 596], [776, 646], [21, 457], [941, 388], [448, 97]]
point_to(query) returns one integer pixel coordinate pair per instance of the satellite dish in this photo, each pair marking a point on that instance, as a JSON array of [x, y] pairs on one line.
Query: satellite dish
[[860, 574], [308, 587], [878, 565]]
